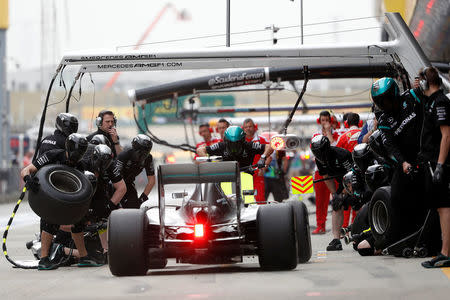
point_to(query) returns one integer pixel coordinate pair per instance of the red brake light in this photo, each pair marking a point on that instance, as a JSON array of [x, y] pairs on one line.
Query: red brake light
[[199, 231]]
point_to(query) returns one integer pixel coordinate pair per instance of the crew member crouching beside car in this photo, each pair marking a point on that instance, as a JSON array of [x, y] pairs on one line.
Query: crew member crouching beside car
[[333, 162], [130, 164]]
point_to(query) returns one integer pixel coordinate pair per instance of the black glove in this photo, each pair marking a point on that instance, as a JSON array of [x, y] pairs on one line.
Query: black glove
[[438, 175], [32, 183], [261, 163], [142, 198], [111, 206], [337, 202]]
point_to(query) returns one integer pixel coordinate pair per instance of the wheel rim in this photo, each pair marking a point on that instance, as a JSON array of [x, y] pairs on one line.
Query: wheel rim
[[65, 182], [380, 218]]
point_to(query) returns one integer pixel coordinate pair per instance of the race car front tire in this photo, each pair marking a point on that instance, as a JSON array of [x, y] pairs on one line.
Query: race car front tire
[[127, 255], [277, 244], [302, 230]]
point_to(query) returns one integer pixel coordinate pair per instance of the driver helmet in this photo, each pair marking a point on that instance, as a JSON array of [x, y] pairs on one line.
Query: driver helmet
[[234, 139], [102, 158], [376, 143], [320, 146], [100, 139], [362, 156], [66, 123], [385, 94], [76, 145], [376, 176], [141, 145]]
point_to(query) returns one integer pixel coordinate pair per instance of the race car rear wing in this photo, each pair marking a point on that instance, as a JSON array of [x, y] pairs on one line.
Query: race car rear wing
[[215, 172], [227, 171]]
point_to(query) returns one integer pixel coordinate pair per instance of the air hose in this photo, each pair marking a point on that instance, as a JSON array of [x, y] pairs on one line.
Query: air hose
[[5, 234]]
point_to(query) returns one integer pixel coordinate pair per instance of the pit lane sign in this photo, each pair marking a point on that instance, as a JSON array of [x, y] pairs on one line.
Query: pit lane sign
[[302, 185]]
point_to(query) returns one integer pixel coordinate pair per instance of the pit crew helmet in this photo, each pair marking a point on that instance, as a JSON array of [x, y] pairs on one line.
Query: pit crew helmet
[[347, 181], [234, 139], [362, 156], [92, 179], [385, 94], [66, 123], [141, 145], [376, 176], [320, 146], [102, 158], [76, 145], [100, 139]]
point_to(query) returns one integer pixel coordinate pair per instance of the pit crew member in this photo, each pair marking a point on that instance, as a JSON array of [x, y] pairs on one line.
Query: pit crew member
[[320, 188], [106, 125], [222, 125], [250, 129], [400, 125], [105, 198], [205, 131], [65, 124], [130, 163], [435, 145], [75, 146], [333, 162], [236, 148], [348, 140]]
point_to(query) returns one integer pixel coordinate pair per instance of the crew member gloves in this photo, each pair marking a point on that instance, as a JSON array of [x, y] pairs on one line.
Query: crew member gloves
[[262, 162], [438, 175], [32, 183], [142, 198]]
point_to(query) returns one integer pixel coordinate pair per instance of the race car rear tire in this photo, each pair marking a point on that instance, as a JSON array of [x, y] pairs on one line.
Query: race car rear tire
[[381, 216], [302, 230], [127, 255], [277, 244], [63, 197]]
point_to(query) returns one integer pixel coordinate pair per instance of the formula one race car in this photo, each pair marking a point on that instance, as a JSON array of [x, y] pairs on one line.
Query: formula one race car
[[208, 227]]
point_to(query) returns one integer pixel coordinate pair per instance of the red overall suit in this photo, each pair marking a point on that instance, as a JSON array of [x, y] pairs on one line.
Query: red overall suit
[[258, 181], [348, 141], [322, 196]]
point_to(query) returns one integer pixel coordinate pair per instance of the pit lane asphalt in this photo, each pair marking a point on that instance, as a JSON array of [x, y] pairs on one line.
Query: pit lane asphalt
[[328, 275]]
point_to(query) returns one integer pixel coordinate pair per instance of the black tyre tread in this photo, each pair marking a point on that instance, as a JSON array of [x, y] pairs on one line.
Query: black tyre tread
[[127, 255], [383, 194], [277, 244], [57, 207], [302, 229]]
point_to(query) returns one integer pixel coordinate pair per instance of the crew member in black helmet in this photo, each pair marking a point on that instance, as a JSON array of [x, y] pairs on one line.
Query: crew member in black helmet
[[105, 198], [75, 146], [65, 124], [106, 125], [131, 162], [333, 162]]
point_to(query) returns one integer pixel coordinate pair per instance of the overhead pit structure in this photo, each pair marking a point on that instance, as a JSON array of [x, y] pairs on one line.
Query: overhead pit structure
[[401, 52]]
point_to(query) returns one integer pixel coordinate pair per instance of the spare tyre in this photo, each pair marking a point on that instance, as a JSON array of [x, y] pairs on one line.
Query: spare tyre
[[63, 197], [381, 217]]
